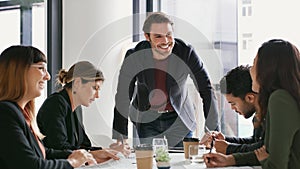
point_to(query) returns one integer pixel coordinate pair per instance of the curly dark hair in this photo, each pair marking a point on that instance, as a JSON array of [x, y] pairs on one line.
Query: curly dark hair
[[237, 82]]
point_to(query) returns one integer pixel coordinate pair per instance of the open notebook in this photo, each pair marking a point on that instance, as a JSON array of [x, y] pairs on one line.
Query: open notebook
[[123, 163]]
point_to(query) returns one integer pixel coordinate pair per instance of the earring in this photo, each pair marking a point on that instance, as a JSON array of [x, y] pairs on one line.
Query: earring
[[74, 92]]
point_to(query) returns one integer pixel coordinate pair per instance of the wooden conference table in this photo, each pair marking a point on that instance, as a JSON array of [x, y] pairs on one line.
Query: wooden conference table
[[177, 162]]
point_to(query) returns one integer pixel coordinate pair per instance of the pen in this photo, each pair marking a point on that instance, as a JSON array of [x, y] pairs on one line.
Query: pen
[[212, 142], [122, 139], [211, 147], [206, 128]]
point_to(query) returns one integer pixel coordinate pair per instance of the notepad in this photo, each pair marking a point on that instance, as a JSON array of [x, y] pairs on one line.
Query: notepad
[[122, 163]]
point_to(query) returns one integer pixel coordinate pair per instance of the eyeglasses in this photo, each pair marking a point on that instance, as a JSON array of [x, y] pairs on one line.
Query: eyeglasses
[[41, 67], [97, 88]]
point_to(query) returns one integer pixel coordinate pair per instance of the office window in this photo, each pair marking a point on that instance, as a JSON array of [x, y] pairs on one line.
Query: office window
[[246, 1], [10, 28], [11, 33], [246, 8], [244, 44], [39, 38], [39, 26], [244, 11], [249, 10]]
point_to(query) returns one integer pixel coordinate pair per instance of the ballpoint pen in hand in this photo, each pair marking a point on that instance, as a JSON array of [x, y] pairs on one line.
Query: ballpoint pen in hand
[[126, 149], [211, 147], [212, 142], [206, 136], [207, 129], [122, 138]]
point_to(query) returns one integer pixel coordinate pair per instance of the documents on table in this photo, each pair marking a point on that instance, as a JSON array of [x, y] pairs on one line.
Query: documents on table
[[122, 163]]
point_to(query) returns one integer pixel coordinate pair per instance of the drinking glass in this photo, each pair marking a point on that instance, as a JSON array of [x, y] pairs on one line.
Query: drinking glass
[[196, 153], [159, 143]]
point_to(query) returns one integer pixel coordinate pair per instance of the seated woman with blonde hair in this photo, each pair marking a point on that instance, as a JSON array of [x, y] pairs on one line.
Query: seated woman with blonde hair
[[58, 117]]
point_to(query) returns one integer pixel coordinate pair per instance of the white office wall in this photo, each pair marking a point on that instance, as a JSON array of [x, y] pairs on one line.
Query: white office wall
[[260, 21], [97, 30], [268, 20]]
